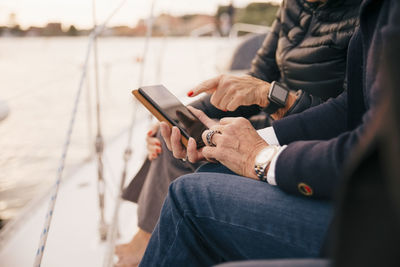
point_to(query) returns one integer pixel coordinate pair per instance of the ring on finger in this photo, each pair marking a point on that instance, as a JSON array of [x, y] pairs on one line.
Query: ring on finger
[[209, 137]]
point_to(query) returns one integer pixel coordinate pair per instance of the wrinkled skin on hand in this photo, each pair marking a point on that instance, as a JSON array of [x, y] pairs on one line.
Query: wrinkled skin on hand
[[237, 144], [229, 91]]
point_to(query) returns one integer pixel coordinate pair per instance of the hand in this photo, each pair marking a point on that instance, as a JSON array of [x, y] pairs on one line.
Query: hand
[[173, 136], [229, 92], [236, 146], [153, 143], [280, 113]]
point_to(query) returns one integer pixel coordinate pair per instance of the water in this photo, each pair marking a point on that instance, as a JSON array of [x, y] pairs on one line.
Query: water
[[39, 78]]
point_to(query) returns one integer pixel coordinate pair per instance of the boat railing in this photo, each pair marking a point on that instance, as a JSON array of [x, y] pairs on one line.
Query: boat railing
[[211, 29], [208, 29], [248, 28]]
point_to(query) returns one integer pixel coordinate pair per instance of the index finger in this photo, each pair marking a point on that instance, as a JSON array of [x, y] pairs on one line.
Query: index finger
[[202, 116], [206, 86], [227, 120]]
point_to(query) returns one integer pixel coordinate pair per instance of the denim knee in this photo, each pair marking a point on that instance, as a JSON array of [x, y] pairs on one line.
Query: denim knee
[[190, 192]]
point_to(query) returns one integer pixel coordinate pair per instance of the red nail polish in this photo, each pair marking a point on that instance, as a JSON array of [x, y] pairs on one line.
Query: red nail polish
[[158, 150], [190, 93], [225, 110], [154, 155], [149, 133]]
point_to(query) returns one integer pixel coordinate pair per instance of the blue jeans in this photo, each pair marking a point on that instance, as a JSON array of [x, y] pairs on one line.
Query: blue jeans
[[279, 263], [210, 218]]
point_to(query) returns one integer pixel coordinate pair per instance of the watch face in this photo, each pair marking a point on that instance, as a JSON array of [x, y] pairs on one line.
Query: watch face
[[279, 94]]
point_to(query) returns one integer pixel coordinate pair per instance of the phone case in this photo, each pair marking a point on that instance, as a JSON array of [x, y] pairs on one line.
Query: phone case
[[149, 106]]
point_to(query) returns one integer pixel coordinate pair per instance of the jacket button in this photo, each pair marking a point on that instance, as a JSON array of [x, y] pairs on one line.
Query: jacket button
[[305, 189]]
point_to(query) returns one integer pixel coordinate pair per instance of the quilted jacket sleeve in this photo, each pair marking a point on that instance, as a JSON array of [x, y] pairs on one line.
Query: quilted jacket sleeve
[[264, 65]]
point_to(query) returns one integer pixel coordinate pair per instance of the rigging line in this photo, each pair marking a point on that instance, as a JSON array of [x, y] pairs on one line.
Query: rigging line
[[99, 142], [112, 231], [49, 214], [89, 117]]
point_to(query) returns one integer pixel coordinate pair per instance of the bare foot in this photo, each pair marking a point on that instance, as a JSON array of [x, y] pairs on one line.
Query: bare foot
[[130, 254]]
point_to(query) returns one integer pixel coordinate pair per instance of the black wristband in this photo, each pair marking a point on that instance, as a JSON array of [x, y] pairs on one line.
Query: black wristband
[[271, 108]]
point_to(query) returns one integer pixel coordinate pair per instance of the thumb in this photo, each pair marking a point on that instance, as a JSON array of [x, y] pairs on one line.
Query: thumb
[[207, 86]]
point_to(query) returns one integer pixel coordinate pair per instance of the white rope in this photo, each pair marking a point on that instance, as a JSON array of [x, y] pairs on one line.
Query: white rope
[[49, 215]]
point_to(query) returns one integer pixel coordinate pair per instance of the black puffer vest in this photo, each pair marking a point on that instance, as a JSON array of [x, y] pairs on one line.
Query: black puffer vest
[[307, 46]]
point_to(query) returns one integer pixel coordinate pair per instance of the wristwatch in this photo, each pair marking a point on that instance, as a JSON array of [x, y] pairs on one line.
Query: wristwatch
[[277, 96], [262, 161]]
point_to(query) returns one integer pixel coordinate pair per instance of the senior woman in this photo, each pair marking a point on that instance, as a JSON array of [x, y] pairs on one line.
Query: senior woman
[[305, 53]]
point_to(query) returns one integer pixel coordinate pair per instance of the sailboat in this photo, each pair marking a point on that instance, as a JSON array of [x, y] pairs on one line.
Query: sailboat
[[81, 218]]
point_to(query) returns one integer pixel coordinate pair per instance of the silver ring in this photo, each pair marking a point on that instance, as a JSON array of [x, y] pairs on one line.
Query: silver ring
[[209, 137]]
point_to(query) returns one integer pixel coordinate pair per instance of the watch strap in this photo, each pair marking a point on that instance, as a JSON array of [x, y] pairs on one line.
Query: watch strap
[[260, 169], [272, 107]]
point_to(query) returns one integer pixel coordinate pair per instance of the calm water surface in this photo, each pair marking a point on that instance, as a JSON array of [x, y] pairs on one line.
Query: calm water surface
[[38, 80]]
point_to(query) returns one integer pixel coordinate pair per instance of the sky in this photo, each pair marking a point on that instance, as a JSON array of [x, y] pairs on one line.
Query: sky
[[79, 12]]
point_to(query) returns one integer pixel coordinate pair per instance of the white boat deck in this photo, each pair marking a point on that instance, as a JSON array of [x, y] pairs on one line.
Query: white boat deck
[[74, 237]]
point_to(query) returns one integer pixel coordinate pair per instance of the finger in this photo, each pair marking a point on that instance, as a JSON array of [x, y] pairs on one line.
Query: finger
[[152, 156], [193, 154], [223, 93], [214, 139], [177, 149], [233, 105], [216, 99], [210, 153], [166, 134], [152, 149], [225, 101], [218, 128], [202, 116], [153, 141], [153, 129], [227, 120], [207, 86]]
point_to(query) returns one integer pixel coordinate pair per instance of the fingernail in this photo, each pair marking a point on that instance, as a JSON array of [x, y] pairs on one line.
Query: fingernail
[[154, 155], [190, 93], [158, 144], [149, 133], [158, 150], [225, 110]]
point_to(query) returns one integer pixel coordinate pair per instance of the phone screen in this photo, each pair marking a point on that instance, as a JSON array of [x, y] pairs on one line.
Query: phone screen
[[175, 111]]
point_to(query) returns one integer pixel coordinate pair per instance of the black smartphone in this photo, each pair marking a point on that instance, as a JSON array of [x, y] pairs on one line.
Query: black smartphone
[[166, 107]]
